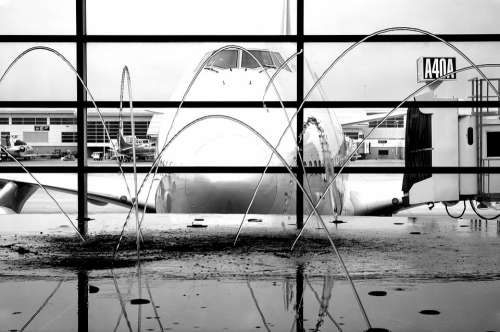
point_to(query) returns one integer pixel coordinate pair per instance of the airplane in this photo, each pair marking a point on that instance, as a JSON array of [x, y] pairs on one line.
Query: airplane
[[233, 73], [144, 149], [18, 148]]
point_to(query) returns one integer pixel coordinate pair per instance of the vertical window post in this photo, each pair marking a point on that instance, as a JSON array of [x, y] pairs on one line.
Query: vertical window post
[[83, 301], [81, 114], [300, 115]]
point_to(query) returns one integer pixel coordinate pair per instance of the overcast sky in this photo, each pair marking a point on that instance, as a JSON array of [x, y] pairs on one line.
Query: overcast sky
[[374, 71]]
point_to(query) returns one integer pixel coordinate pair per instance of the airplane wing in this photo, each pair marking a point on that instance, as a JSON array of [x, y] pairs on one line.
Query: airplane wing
[[102, 189]]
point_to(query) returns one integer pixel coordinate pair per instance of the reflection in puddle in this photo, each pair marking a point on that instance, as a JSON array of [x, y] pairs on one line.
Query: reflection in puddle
[[303, 303], [429, 312], [259, 287]]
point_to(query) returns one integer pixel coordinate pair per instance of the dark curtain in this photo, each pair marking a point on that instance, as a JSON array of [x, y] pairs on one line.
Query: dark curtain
[[418, 146]]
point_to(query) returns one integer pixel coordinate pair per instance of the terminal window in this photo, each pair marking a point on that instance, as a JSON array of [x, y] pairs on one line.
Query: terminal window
[[96, 133], [62, 121], [352, 134], [396, 122], [69, 137], [29, 121]]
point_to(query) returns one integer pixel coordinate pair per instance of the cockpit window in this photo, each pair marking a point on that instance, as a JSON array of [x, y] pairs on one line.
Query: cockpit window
[[224, 59], [278, 60], [247, 61]]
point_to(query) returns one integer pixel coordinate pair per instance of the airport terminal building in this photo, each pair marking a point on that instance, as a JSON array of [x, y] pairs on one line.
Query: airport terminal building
[[386, 142], [54, 132]]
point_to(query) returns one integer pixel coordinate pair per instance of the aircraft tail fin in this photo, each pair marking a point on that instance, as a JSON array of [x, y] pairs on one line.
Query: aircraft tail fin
[[122, 143], [285, 20]]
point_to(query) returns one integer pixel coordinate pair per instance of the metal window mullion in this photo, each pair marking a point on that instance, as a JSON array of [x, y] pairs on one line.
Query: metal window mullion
[[189, 105], [258, 169], [81, 115], [348, 38], [300, 115]]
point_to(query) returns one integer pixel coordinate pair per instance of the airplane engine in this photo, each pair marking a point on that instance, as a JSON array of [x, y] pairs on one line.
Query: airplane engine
[[216, 193], [13, 196]]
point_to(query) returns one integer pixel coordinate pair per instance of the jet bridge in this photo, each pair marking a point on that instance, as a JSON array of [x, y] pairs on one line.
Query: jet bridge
[[449, 137]]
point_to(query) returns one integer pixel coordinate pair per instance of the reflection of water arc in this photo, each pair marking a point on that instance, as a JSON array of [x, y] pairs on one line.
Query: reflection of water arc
[[292, 132], [350, 48], [324, 301], [379, 123], [126, 73], [306, 195], [157, 160], [122, 303], [45, 302], [200, 68], [153, 305], [357, 147], [66, 61], [276, 72], [336, 196], [254, 298], [255, 132], [44, 189]]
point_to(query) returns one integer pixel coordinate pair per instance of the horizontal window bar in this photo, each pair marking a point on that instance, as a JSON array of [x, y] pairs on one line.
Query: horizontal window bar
[[394, 103], [246, 38], [253, 169], [38, 39], [196, 104], [249, 104], [146, 103], [403, 38], [148, 38], [143, 169]]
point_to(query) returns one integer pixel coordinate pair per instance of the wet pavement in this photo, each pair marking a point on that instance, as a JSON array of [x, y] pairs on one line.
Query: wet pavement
[[245, 304], [412, 273]]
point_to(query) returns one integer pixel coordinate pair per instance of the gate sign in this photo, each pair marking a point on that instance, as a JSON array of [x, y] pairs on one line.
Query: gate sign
[[431, 68]]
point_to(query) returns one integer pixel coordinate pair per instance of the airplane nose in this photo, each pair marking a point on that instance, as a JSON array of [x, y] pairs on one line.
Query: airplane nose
[[229, 193]]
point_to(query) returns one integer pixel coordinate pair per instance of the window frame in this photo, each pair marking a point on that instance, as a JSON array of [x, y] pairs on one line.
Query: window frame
[[81, 39]]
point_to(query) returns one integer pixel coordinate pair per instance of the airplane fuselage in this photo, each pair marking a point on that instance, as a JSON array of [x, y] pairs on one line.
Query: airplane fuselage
[[218, 142]]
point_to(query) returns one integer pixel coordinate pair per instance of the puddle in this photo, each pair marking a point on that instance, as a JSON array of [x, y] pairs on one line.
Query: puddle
[[199, 280], [377, 293], [139, 301], [243, 304], [197, 226], [93, 289], [429, 312]]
